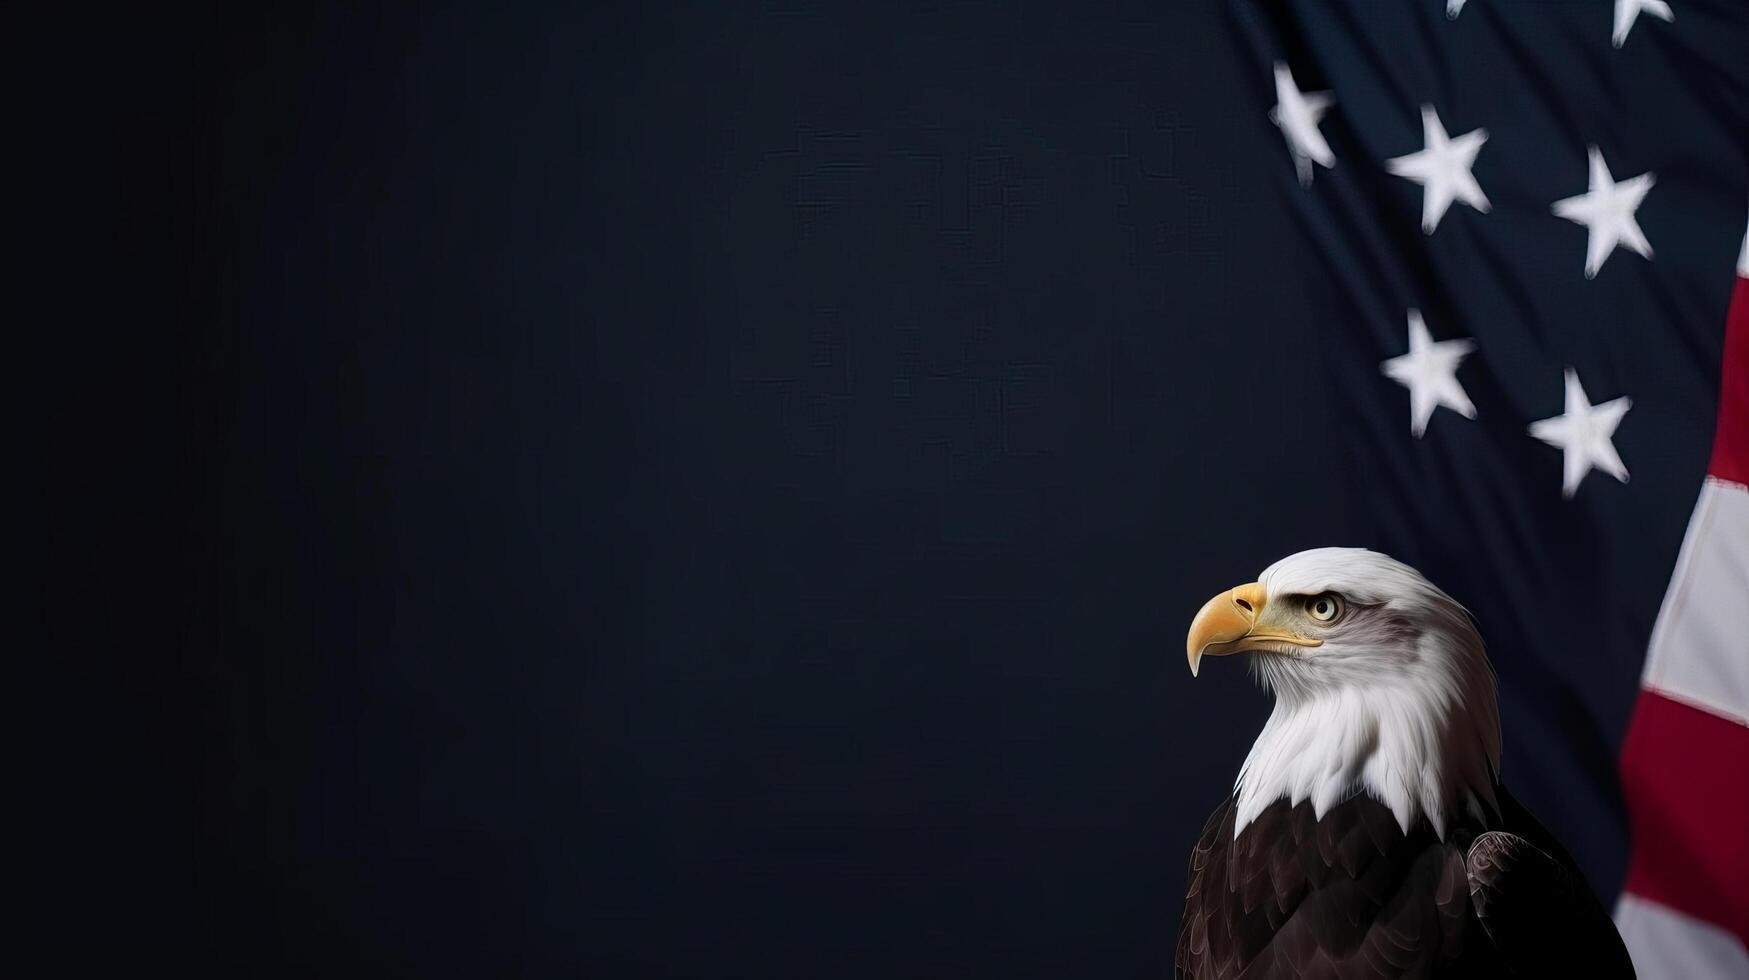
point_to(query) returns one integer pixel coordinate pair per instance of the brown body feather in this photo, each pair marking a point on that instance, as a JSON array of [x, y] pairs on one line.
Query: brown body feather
[[1352, 896]]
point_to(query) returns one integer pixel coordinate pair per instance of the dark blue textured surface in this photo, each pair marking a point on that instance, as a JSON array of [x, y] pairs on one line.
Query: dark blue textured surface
[[718, 490]]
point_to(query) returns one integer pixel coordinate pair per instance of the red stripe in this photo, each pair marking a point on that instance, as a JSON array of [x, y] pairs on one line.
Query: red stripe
[[1731, 442], [1685, 776]]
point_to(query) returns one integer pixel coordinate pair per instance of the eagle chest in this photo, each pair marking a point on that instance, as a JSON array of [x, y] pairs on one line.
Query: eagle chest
[[1349, 895]]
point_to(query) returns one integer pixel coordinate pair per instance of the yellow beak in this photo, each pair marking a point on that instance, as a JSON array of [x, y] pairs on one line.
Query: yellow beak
[[1228, 624]]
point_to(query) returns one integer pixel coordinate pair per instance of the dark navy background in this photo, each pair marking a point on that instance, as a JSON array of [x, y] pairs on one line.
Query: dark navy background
[[682, 491]]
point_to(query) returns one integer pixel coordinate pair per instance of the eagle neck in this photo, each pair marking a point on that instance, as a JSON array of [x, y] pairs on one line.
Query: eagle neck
[[1414, 751]]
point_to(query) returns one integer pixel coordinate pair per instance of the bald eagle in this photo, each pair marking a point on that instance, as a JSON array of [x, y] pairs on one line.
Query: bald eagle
[[1368, 833]]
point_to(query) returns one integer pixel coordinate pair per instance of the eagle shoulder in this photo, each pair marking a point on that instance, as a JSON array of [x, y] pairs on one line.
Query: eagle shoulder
[[1536, 909]]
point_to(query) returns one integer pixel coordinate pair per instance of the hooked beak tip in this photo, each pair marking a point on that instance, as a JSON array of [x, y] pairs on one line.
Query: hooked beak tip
[[1221, 621]]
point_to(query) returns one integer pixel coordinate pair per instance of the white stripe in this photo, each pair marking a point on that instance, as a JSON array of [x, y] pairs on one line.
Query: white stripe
[[1699, 652], [1743, 257], [1667, 945]]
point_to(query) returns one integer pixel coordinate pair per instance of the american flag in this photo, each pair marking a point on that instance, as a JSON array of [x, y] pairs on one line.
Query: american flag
[[1528, 214]]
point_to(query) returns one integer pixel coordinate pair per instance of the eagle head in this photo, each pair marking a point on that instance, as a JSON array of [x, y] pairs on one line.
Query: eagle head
[[1382, 685]]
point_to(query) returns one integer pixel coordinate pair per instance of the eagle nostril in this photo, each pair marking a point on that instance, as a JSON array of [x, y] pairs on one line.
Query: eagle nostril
[[1244, 604]]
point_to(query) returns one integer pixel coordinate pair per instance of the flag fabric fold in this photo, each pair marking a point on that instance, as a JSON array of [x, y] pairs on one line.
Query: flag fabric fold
[[1532, 317], [1684, 909]]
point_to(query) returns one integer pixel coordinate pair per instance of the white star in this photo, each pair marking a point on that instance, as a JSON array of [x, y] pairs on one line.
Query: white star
[[1297, 113], [1443, 169], [1583, 435], [1627, 11], [1453, 8], [1607, 212], [1429, 371]]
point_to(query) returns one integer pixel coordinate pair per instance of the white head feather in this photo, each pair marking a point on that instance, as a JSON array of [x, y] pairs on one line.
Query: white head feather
[[1397, 702]]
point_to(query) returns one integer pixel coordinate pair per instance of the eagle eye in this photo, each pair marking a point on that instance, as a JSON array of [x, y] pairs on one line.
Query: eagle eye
[[1324, 607]]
